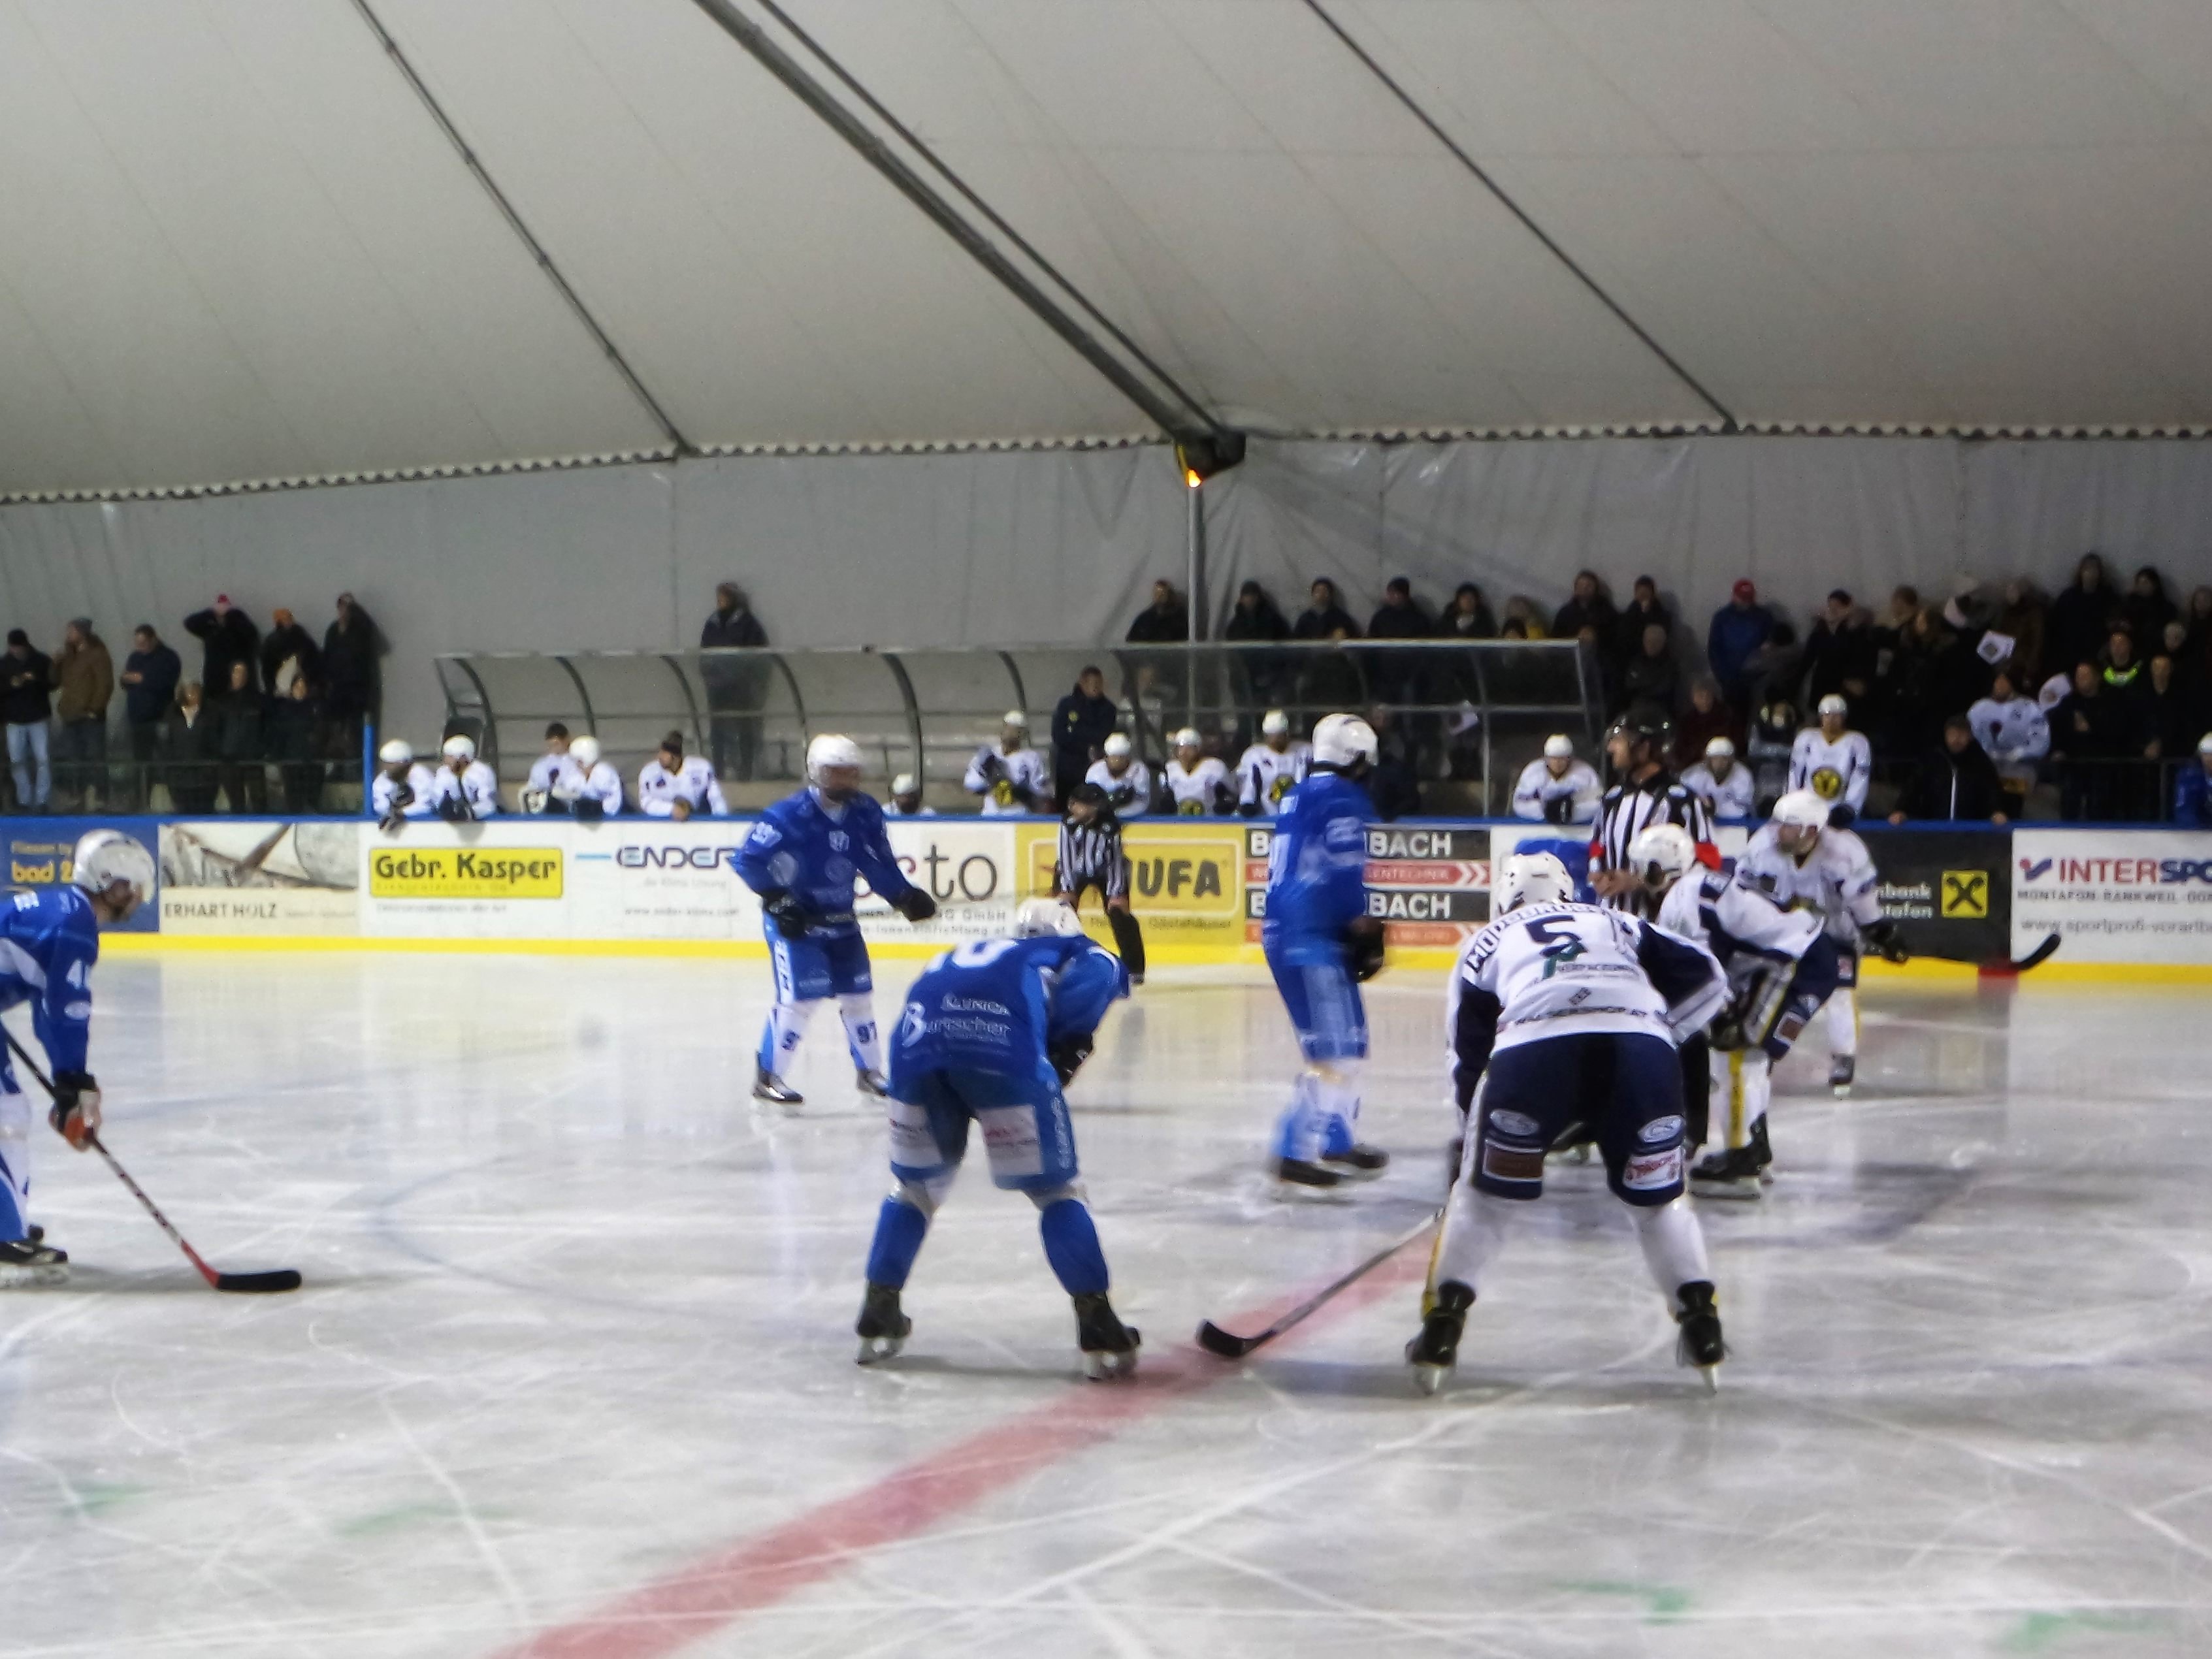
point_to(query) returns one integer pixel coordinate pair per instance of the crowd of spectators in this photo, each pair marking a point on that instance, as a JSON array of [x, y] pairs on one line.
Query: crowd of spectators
[[278, 702]]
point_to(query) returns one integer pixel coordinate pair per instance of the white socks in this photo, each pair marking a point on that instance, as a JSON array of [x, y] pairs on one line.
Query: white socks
[[1844, 1022], [1475, 1230], [1674, 1246], [866, 1044]]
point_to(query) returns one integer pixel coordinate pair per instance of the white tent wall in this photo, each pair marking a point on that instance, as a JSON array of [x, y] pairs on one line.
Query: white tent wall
[[1060, 546]]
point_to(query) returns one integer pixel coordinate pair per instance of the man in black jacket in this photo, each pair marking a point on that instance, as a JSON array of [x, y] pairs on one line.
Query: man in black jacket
[[1324, 616], [150, 676], [2090, 729], [229, 635], [1957, 783], [1166, 621], [1081, 723], [352, 681], [736, 687], [27, 684], [286, 642]]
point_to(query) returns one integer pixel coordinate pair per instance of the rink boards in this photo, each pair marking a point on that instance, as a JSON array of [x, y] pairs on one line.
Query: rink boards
[[2129, 904]]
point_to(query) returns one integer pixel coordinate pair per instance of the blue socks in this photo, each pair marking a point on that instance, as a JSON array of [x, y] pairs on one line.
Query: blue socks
[[899, 1230], [1071, 1244]]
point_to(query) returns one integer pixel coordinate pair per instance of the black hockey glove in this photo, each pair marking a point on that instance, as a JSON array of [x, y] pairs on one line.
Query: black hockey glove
[[590, 809], [1067, 1055], [1363, 949], [1882, 940], [1842, 816], [1560, 809], [76, 1114], [453, 809], [1249, 809], [792, 919], [914, 905], [993, 768]]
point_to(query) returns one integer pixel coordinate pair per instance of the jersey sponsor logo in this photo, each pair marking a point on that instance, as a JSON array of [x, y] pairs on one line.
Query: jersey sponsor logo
[[840, 842], [765, 833], [1513, 1123], [1659, 1130], [1650, 1172], [956, 1005], [1966, 895], [447, 873], [1504, 1162], [649, 856]]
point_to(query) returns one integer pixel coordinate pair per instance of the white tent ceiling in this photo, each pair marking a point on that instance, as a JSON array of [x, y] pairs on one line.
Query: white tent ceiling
[[235, 244]]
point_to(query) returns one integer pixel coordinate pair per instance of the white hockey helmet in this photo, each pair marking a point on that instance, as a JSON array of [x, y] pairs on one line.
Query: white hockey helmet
[[830, 749], [1274, 724], [2205, 744], [398, 752], [1015, 718], [1832, 704], [1802, 808], [1530, 878], [1187, 738], [105, 859], [1558, 746], [1117, 745], [905, 784], [1343, 740], [460, 748], [1663, 854], [585, 752], [1043, 918], [1720, 749]]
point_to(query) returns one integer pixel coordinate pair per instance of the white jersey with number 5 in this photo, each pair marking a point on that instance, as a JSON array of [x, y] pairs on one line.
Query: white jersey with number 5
[[1570, 969]]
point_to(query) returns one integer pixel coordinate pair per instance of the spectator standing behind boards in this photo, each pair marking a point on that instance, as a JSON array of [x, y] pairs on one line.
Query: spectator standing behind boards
[[84, 676], [1009, 775], [1773, 740], [1166, 621], [674, 785], [150, 676], [295, 742], [1839, 647], [2024, 619], [353, 675], [2075, 627], [1709, 718], [1522, 620], [737, 687], [1392, 785], [1263, 676], [1469, 617], [906, 799], [227, 635], [1957, 783], [1394, 675], [2172, 713], [464, 788], [2147, 607], [2192, 790], [1256, 616], [1125, 780], [2011, 730], [26, 701], [1588, 609], [288, 651], [242, 739], [1833, 761], [2090, 728], [191, 744], [1641, 612], [1324, 614], [1723, 782], [1556, 787], [1739, 627], [1775, 668], [1650, 675], [1081, 722]]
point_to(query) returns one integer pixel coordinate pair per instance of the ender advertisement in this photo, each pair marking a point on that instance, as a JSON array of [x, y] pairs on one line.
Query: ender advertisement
[[2135, 895]]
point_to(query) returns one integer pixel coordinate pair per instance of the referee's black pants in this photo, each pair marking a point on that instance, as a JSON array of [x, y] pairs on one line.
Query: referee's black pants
[[1128, 937]]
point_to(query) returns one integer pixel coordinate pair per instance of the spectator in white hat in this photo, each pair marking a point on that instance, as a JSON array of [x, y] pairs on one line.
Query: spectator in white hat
[[1557, 788], [1722, 782], [1009, 775], [906, 799], [1126, 781]]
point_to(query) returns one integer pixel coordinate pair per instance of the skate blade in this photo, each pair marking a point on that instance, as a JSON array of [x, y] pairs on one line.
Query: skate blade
[[1430, 1379], [874, 1350], [51, 1272], [1733, 1192], [1712, 1375], [1347, 1173], [1101, 1367]]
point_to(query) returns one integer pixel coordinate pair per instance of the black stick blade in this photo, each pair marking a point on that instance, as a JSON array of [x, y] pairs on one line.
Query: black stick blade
[[2038, 956], [1215, 1340], [276, 1279]]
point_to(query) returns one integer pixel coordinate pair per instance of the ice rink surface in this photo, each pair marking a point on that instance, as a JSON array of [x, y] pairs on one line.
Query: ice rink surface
[[572, 1374]]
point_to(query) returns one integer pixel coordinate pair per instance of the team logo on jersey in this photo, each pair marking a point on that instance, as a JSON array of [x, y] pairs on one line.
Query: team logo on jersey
[[1650, 1172], [1660, 1129], [1827, 783], [914, 1025], [1966, 895], [1512, 1123], [1282, 786], [839, 840], [1190, 808]]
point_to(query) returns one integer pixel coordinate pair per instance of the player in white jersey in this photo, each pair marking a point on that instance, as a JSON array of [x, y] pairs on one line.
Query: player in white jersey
[[1723, 782], [1781, 968], [1270, 767], [1010, 775], [402, 787], [588, 788], [1801, 858], [906, 799], [1834, 763], [464, 789], [1198, 783], [1126, 781], [673, 785], [546, 770], [1557, 788], [1562, 1011]]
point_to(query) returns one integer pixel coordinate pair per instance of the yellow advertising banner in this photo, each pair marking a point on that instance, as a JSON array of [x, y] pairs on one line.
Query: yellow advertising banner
[[1185, 880], [460, 872]]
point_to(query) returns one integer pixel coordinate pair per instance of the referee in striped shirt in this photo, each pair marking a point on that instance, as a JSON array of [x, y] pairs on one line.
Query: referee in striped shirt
[[1643, 792], [1090, 855]]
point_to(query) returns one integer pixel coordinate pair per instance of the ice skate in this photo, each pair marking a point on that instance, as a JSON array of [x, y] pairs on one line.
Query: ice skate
[[881, 1327], [1358, 1161], [774, 1090], [1741, 1172], [1434, 1352], [1842, 1070], [32, 1260], [1109, 1347], [1700, 1345], [1299, 1172], [871, 1084]]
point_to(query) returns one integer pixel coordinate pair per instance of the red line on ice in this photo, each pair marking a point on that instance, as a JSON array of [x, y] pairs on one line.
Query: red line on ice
[[695, 1601]]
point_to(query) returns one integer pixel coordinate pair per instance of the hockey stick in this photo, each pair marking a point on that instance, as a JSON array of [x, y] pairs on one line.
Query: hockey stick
[[279, 1279], [1228, 1345], [2034, 959]]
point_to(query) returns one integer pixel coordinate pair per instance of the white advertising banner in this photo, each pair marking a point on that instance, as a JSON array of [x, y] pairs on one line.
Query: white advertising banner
[[252, 875], [2133, 896]]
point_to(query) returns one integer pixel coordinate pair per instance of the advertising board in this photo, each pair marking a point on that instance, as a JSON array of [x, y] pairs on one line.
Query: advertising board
[[261, 876], [2113, 896]]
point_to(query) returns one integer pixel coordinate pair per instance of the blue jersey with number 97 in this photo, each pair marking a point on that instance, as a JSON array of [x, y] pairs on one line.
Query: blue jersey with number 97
[[997, 1005], [49, 941], [1317, 869]]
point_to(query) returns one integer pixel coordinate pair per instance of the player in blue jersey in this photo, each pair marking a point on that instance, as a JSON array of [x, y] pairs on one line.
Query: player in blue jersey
[[992, 1031], [1321, 944], [49, 941], [801, 858]]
